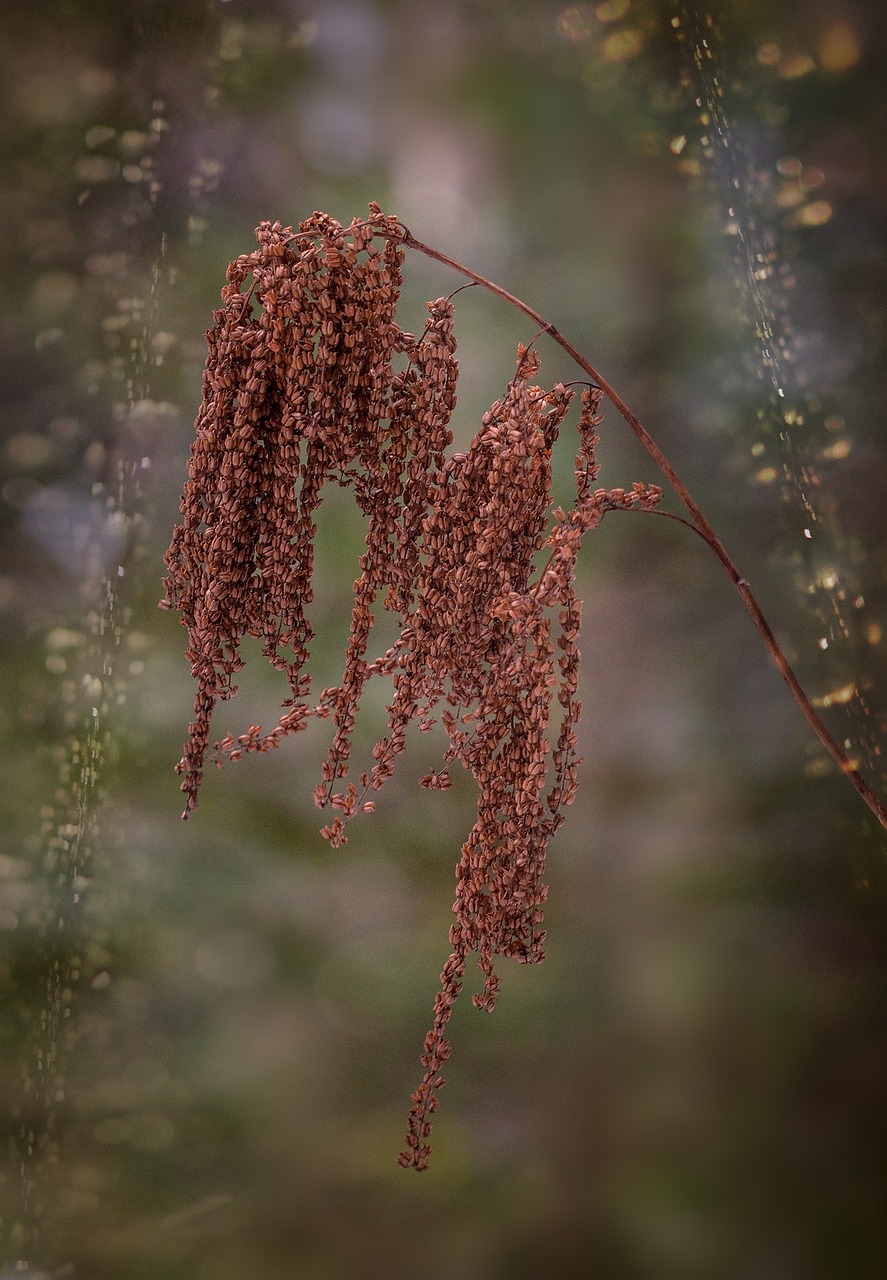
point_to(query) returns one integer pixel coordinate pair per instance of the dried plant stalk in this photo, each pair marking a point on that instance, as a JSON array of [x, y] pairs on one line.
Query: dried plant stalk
[[306, 392]]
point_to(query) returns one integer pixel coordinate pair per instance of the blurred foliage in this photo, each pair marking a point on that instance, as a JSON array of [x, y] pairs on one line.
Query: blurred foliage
[[210, 1031]]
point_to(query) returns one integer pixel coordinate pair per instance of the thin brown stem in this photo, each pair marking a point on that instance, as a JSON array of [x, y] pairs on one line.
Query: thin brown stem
[[665, 515], [698, 520]]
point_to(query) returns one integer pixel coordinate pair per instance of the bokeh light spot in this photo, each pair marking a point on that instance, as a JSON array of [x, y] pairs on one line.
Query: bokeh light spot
[[839, 47], [622, 45], [840, 449], [99, 134], [769, 54], [574, 23], [612, 10], [790, 167], [797, 65], [815, 214], [837, 698]]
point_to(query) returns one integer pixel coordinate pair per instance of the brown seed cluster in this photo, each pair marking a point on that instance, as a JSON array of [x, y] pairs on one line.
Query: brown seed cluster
[[301, 394], [497, 640], [463, 548]]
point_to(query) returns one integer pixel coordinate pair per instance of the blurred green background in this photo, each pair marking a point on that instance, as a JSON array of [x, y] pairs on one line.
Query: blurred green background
[[210, 1031]]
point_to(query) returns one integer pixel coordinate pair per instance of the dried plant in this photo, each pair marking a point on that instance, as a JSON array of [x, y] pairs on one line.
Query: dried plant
[[464, 549]]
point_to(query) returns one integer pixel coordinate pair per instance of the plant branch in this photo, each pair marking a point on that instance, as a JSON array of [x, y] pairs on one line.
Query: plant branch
[[697, 521]]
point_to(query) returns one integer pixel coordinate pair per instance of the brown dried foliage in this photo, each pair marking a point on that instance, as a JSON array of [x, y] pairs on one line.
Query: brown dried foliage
[[305, 392]]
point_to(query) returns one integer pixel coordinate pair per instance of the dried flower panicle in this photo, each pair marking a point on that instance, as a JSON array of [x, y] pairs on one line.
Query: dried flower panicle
[[299, 395], [307, 392], [492, 630]]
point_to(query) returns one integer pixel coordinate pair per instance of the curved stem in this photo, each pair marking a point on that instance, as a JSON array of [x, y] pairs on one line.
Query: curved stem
[[664, 515], [697, 519]]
